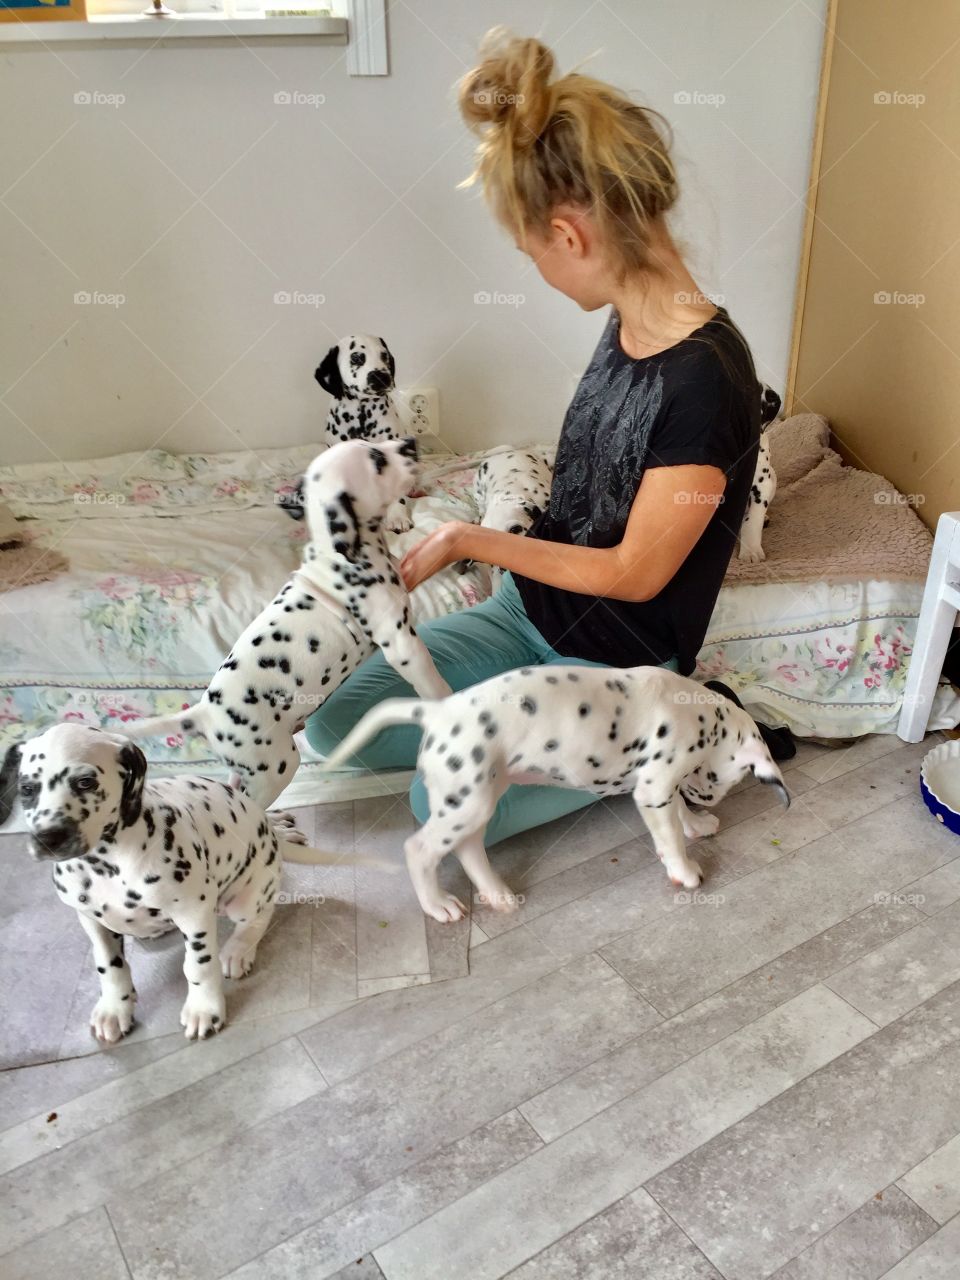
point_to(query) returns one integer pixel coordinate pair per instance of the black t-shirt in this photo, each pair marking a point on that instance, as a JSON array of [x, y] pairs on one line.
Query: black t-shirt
[[682, 405]]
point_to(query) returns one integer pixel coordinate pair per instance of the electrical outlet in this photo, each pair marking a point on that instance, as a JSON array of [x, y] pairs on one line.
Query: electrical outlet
[[420, 410]]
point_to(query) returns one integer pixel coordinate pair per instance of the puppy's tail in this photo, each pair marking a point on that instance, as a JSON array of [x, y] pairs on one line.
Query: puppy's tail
[[390, 711], [306, 856], [185, 721]]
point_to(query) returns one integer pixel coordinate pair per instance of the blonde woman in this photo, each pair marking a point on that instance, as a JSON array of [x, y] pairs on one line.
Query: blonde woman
[[657, 451]]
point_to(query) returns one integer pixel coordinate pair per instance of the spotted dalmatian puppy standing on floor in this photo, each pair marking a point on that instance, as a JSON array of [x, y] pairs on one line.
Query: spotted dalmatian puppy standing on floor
[[136, 858], [645, 731], [346, 598]]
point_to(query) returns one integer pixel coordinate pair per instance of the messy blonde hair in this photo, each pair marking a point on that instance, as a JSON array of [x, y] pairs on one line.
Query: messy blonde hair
[[572, 140], [546, 142]]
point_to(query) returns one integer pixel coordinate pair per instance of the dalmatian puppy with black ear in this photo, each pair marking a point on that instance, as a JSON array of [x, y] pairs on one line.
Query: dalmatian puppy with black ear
[[764, 486], [360, 374], [136, 858], [646, 731], [346, 598]]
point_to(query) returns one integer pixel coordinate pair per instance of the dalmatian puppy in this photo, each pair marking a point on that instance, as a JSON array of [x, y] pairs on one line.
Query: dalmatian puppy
[[360, 374], [511, 491], [763, 488], [644, 730], [513, 488], [346, 598], [142, 858]]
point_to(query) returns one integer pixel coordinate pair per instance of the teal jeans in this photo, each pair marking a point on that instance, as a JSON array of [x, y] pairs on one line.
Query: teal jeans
[[467, 647]]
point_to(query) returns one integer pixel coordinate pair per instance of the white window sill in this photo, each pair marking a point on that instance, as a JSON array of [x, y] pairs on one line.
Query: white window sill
[[186, 26]]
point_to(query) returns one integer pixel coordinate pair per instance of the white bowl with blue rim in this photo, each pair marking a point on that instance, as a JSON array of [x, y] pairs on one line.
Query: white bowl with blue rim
[[940, 783]]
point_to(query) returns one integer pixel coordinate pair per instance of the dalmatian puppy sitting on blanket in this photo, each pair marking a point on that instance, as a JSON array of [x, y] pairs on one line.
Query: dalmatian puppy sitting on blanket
[[665, 739], [764, 486], [137, 858], [359, 373], [346, 597]]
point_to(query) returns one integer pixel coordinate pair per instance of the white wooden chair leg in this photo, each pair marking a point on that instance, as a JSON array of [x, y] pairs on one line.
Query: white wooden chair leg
[[938, 614]]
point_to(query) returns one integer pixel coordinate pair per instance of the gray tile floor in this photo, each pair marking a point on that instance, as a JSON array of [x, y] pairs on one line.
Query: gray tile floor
[[621, 1080]]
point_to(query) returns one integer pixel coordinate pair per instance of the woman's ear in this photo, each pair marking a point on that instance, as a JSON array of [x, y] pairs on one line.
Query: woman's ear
[[9, 773], [133, 763], [328, 373]]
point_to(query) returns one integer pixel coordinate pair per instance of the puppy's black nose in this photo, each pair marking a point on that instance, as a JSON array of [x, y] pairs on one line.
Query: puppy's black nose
[[54, 840], [378, 380], [410, 447]]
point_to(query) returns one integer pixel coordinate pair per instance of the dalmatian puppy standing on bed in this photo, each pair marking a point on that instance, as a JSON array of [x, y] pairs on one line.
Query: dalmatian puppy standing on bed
[[764, 486], [345, 598], [644, 730], [142, 858]]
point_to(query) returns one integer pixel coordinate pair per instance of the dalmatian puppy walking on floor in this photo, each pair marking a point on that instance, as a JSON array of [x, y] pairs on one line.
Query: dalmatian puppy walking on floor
[[641, 730], [346, 598], [142, 858]]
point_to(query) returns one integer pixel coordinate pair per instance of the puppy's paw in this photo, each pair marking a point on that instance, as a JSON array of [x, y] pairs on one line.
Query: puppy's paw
[[236, 960], [445, 908], [112, 1017], [285, 825], [688, 876], [697, 823], [751, 555], [203, 1014]]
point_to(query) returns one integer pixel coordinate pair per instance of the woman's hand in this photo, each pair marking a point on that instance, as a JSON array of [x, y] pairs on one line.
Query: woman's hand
[[435, 552]]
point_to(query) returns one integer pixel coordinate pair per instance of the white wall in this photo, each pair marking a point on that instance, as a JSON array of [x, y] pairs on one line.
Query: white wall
[[199, 198]]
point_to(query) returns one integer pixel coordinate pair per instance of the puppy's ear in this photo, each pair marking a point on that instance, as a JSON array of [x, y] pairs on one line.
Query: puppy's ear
[[391, 363], [8, 780], [133, 764], [328, 373], [344, 528]]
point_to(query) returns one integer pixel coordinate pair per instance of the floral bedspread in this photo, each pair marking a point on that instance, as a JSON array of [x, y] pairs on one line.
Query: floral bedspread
[[172, 556], [170, 559]]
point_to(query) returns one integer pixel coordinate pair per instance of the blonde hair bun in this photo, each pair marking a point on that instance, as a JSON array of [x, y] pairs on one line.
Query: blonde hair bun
[[510, 86], [546, 141]]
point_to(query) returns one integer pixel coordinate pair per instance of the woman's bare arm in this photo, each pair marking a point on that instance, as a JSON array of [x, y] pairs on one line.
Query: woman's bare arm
[[672, 508]]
